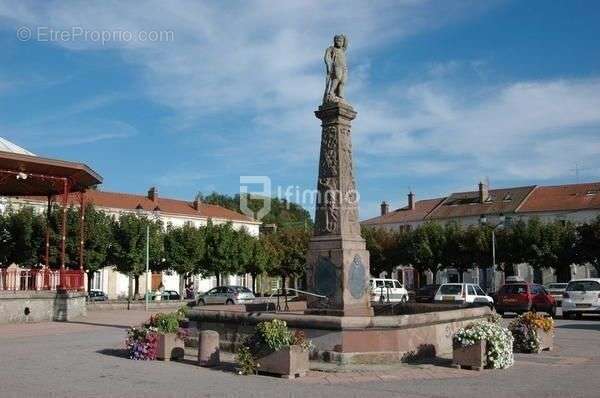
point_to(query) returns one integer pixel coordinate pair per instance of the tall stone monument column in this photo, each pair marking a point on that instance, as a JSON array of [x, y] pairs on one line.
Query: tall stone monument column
[[338, 263]]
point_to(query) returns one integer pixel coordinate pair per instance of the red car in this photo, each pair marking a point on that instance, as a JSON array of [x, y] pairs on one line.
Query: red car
[[523, 297]]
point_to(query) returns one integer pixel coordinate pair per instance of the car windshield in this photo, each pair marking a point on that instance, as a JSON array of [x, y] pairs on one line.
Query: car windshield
[[451, 289], [557, 285], [583, 286]]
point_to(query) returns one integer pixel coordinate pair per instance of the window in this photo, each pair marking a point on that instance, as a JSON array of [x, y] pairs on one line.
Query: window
[[583, 286], [472, 291], [397, 285], [451, 289], [480, 291], [514, 289]]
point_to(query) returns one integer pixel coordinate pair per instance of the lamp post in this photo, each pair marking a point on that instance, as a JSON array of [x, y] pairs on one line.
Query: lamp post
[[155, 216], [493, 227]]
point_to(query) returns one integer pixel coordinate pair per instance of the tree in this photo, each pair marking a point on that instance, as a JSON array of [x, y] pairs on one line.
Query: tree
[[284, 214], [128, 250], [184, 250], [588, 245], [220, 257], [98, 238], [263, 256], [292, 246], [426, 248], [23, 234]]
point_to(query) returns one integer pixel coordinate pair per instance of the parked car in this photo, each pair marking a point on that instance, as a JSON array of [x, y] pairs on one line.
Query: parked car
[[557, 290], [523, 297], [227, 295], [426, 294], [465, 293], [165, 295], [387, 290], [582, 296], [97, 295]]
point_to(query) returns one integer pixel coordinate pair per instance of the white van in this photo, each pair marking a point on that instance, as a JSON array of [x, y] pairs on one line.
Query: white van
[[581, 296], [387, 290]]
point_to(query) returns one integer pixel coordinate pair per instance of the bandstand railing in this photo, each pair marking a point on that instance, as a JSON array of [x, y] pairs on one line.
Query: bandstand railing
[[19, 279]]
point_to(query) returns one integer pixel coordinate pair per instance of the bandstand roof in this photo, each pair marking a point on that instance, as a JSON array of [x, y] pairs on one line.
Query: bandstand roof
[[40, 176]]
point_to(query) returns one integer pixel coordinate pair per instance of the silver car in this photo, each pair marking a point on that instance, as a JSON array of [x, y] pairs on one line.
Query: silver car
[[227, 295]]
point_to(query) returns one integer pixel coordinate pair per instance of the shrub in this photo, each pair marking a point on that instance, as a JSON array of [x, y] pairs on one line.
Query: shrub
[[142, 343], [165, 323], [525, 331], [499, 351], [269, 336]]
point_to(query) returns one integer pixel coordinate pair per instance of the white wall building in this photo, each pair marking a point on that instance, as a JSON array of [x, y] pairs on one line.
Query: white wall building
[[577, 203], [170, 212]]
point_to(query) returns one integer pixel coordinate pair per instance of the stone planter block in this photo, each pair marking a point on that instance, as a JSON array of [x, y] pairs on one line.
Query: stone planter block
[[546, 340], [169, 347], [473, 356], [208, 348], [289, 362]]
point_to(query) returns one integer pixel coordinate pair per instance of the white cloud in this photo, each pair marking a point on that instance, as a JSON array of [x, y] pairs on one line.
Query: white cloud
[[263, 59]]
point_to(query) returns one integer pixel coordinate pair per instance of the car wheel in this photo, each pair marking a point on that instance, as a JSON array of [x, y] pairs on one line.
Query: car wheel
[[404, 299], [533, 309], [566, 315], [552, 311], [501, 313], [578, 315], [229, 302], [201, 302]]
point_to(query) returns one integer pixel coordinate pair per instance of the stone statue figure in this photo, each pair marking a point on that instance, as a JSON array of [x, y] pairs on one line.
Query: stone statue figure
[[336, 69]]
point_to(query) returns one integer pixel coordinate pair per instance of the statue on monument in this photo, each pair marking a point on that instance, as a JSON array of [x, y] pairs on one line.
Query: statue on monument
[[336, 69]]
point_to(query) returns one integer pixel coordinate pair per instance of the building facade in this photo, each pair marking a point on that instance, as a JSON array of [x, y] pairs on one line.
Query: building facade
[[576, 203], [170, 212]]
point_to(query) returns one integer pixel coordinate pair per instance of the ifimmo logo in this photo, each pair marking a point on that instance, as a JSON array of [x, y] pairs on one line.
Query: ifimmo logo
[[261, 194]]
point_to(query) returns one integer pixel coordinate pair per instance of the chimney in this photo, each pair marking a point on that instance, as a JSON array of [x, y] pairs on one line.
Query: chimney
[[153, 194], [484, 193], [411, 201], [384, 208], [196, 203]]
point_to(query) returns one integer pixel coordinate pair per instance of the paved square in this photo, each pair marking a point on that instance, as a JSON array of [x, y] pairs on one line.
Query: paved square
[[83, 359]]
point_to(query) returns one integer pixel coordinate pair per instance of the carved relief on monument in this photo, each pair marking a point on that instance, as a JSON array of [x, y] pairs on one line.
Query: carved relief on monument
[[328, 165], [328, 206]]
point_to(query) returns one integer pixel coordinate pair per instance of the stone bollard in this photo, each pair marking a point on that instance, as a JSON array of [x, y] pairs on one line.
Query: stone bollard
[[208, 348]]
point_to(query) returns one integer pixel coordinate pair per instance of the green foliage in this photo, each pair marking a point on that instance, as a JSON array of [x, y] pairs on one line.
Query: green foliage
[[22, 234], [246, 360], [290, 248], [275, 334], [166, 322], [587, 248], [283, 213]]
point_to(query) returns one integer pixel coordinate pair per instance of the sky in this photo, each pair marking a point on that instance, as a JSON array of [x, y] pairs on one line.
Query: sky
[[189, 96]]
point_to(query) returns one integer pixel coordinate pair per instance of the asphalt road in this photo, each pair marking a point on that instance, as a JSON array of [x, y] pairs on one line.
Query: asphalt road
[[85, 359]]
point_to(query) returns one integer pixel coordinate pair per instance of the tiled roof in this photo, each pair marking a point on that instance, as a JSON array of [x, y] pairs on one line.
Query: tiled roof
[[404, 214], [465, 204], [563, 197], [125, 201]]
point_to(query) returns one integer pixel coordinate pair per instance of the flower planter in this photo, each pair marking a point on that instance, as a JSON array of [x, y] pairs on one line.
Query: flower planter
[[169, 347], [471, 356], [289, 362], [546, 340]]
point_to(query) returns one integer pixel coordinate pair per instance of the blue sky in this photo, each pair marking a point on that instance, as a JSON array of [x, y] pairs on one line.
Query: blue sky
[[447, 92]]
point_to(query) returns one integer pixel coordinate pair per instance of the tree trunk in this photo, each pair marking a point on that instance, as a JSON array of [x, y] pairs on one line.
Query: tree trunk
[[434, 273], [136, 292], [253, 283], [182, 290], [218, 279], [90, 280]]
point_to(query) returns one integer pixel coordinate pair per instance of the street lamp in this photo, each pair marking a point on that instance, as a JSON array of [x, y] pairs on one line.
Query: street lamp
[[155, 216], [493, 227]]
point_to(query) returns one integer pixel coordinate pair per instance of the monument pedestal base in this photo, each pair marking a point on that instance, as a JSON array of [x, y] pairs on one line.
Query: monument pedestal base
[[338, 269]]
